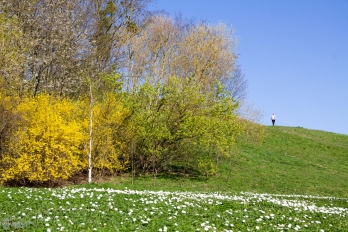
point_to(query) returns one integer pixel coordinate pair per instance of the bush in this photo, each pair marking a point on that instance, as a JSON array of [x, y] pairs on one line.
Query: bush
[[48, 147], [9, 122], [176, 121], [110, 136]]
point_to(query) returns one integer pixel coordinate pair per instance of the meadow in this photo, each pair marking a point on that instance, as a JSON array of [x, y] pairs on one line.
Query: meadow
[[101, 209], [295, 181]]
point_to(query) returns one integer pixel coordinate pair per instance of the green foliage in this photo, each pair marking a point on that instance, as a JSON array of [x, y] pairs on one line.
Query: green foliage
[[207, 167], [108, 13], [110, 83], [174, 119], [132, 27]]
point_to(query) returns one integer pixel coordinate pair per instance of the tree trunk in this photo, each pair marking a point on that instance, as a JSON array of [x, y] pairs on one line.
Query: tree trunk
[[90, 136]]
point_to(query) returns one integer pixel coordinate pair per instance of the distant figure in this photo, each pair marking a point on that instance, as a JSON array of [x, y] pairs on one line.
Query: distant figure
[[273, 117]]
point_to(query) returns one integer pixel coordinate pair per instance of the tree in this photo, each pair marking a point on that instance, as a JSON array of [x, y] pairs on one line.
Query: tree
[[11, 55], [179, 81], [197, 55], [201, 53], [114, 23], [55, 59], [237, 85], [72, 39]]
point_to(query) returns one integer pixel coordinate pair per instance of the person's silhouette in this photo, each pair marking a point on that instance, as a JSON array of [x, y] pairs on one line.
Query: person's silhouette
[[273, 118]]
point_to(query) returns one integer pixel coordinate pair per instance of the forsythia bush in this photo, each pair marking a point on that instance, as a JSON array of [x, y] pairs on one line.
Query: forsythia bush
[[50, 142], [110, 136], [49, 145]]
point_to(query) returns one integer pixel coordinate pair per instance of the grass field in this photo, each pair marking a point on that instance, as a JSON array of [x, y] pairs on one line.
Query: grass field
[[295, 161], [100, 209], [291, 160], [295, 181]]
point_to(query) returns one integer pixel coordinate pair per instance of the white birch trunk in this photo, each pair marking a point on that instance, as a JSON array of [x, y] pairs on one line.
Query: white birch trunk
[[90, 137]]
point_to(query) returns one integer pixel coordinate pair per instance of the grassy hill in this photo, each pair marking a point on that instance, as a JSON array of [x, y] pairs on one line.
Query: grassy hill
[[297, 161], [291, 160]]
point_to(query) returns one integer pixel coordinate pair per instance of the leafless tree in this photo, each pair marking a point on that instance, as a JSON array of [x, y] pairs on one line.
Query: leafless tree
[[168, 47], [237, 85], [11, 57], [72, 39]]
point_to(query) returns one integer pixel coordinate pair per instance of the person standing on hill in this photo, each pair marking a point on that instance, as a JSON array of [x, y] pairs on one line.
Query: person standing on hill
[[273, 118]]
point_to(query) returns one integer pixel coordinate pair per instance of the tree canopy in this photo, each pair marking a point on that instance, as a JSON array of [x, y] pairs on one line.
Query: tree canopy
[[131, 89]]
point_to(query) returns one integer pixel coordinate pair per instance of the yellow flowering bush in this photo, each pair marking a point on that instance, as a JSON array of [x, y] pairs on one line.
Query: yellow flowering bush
[[48, 146], [110, 135]]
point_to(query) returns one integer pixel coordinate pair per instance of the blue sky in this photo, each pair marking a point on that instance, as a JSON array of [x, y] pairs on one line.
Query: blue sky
[[294, 54]]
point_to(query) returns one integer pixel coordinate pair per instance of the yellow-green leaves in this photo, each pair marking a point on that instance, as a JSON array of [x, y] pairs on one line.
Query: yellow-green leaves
[[178, 123]]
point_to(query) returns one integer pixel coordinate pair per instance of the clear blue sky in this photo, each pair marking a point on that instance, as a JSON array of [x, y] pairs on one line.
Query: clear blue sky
[[294, 54]]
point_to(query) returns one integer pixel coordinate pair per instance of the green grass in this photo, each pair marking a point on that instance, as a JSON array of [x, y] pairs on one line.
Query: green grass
[[295, 180], [291, 160], [100, 209], [295, 161]]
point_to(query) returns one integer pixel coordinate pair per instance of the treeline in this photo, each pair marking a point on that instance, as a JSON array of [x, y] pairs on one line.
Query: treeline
[[111, 86]]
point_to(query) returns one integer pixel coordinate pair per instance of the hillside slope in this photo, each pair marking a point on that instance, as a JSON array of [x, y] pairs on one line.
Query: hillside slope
[[294, 160], [289, 161]]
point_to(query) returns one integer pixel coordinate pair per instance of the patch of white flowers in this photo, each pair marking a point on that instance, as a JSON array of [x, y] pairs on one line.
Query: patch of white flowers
[[147, 205]]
